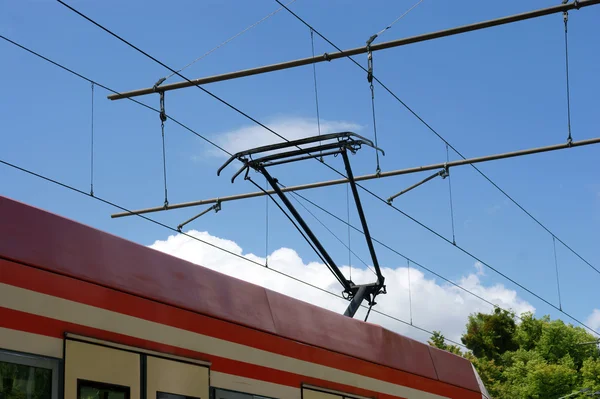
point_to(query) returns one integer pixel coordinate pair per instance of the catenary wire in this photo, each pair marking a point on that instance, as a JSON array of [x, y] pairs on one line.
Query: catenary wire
[[396, 20], [227, 41], [350, 251], [414, 113], [135, 101], [368, 191], [107, 202], [400, 254], [112, 91], [192, 131], [297, 228]]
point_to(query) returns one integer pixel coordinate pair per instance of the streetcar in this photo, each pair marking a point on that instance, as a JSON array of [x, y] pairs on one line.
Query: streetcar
[[88, 315]]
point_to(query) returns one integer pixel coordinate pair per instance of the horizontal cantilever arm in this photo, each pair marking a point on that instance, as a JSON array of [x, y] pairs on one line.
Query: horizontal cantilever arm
[[398, 172], [360, 50]]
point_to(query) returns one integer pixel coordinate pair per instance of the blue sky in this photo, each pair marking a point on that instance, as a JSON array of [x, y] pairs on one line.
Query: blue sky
[[486, 92]]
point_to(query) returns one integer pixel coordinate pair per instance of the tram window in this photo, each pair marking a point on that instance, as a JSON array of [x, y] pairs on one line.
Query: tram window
[[219, 393], [99, 390], [19, 381], [166, 395], [25, 376]]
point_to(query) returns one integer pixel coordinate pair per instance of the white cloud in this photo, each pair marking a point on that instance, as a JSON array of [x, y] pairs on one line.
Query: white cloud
[[479, 267], [435, 306], [593, 320], [291, 128]]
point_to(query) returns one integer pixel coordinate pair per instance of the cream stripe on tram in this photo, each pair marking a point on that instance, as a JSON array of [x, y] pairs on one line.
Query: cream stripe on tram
[[74, 312], [21, 341], [261, 388]]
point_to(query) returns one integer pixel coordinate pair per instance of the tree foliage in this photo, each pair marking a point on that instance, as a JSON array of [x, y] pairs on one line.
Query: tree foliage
[[529, 358]]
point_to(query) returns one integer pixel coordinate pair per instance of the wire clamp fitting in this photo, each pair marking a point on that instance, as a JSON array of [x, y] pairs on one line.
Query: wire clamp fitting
[[162, 114], [158, 83]]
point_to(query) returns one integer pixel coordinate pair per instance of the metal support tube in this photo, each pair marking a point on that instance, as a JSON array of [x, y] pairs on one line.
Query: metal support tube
[[391, 199], [339, 275], [361, 50], [356, 301], [399, 172], [361, 215], [216, 207]]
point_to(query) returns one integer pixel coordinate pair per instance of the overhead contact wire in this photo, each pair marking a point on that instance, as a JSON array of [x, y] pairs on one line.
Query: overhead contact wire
[[443, 139], [56, 182], [283, 138]]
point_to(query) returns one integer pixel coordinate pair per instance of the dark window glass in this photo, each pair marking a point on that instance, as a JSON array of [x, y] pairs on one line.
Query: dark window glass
[[166, 395], [227, 394], [100, 390], [18, 381]]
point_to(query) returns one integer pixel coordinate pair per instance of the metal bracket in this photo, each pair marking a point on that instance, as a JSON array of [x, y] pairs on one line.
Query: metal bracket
[[330, 144], [216, 207], [443, 173]]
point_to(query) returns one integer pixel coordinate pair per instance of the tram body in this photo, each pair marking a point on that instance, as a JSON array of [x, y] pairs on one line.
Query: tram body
[[87, 315]]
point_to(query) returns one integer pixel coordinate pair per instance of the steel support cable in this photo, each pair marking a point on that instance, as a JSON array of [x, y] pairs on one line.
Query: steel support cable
[[231, 106], [557, 278], [450, 195], [296, 226], [225, 42], [396, 20], [312, 43], [107, 202], [266, 226], [92, 146], [350, 252], [133, 100], [163, 118], [566, 20], [370, 73], [409, 291], [401, 254], [348, 219], [466, 252], [129, 211], [280, 136], [112, 91], [198, 86], [442, 138], [480, 260], [219, 99]]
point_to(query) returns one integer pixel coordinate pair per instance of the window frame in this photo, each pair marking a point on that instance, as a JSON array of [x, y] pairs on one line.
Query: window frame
[[176, 394], [213, 394], [102, 385], [31, 360]]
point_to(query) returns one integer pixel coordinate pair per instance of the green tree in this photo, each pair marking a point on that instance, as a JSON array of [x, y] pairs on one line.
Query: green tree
[[528, 358], [490, 335], [439, 341], [590, 373]]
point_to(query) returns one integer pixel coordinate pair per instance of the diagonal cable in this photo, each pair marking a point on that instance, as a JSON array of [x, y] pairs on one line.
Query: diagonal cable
[[282, 137], [76, 190], [444, 140]]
